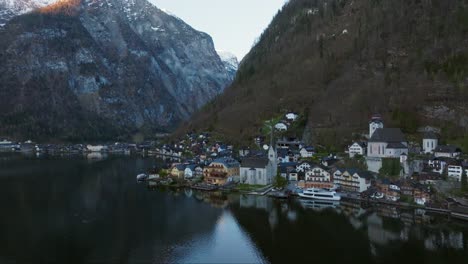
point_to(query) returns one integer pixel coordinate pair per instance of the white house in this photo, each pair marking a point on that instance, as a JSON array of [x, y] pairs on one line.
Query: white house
[[357, 148], [303, 166], [430, 142], [437, 165], [456, 171], [259, 170], [307, 152], [352, 180], [447, 151], [281, 127], [318, 174], [189, 171], [292, 116]]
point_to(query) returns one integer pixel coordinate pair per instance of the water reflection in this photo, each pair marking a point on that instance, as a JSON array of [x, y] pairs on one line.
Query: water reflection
[[74, 211]]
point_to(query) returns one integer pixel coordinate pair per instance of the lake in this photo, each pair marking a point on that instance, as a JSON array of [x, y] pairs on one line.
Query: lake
[[78, 210]]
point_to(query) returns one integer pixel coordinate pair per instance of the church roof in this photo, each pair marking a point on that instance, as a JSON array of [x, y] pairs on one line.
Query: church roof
[[396, 145], [430, 135], [388, 135], [254, 162]]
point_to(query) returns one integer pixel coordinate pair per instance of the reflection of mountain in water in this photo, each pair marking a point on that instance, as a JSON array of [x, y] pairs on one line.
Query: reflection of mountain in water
[[71, 211]]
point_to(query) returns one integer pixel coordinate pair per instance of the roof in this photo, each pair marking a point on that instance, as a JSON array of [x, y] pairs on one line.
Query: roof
[[228, 162], [180, 167], [447, 149], [396, 145], [388, 135], [360, 143], [254, 162], [430, 135], [362, 174]]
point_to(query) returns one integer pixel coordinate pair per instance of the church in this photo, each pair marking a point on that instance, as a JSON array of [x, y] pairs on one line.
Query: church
[[385, 142], [259, 170]]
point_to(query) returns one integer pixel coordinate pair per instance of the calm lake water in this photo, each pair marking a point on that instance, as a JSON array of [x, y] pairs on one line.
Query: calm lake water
[[74, 210]]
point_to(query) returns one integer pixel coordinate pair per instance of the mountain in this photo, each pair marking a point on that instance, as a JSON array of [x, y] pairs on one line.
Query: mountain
[[337, 62], [12, 8], [81, 69], [230, 61]]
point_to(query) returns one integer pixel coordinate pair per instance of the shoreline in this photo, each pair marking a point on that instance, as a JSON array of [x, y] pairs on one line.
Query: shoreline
[[447, 212]]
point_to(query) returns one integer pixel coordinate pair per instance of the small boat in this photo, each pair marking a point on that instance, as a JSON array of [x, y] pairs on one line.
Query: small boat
[[141, 177], [320, 194]]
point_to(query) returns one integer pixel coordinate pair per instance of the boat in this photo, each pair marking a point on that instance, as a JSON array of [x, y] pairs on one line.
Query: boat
[[320, 194], [141, 177]]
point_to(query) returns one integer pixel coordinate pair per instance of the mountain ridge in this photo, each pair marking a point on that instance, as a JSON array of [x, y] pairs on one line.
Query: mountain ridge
[[125, 67]]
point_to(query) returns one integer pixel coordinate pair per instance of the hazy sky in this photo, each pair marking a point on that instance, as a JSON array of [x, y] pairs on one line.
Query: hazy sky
[[233, 24]]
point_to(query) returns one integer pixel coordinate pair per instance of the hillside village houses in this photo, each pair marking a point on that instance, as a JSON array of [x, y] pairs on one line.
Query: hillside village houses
[[298, 164]]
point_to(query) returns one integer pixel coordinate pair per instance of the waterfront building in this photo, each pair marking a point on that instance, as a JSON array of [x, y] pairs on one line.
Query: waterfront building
[[352, 180]]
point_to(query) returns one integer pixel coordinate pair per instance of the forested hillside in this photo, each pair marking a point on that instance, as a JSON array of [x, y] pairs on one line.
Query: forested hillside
[[339, 61]]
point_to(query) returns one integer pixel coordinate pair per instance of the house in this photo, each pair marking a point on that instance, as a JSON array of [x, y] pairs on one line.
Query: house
[[189, 171], [387, 143], [456, 169], [307, 152], [221, 171], [357, 148], [259, 170], [281, 127], [303, 166], [447, 151], [198, 172], [437, 165], [317, 177], [430, 142], [421, 195], [292, 116], [391, 191], [287, 169], [178, 170], [352, 180]]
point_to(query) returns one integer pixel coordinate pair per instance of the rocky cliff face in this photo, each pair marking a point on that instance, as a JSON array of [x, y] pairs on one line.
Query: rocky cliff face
[[100, 68]]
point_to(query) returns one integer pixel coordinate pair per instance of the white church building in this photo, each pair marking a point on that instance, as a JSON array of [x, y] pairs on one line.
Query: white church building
[[259, 170], [385, 142]]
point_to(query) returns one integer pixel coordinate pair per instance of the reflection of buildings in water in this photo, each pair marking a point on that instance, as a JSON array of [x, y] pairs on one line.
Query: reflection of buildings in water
[[454, 240], [376, 232], [273, 218], [292, 215], [258, 202], [215, 199], [188, 192], [352, 209], [388, 211], [96, 156]]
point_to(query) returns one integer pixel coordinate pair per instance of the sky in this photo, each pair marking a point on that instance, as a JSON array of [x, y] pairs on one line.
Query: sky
[[234, 25]]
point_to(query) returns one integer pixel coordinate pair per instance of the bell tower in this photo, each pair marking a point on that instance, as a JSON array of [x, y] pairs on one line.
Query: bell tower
[[375, 123]]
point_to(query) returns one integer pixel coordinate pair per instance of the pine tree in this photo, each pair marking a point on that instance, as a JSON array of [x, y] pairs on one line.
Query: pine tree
[[464, 183]]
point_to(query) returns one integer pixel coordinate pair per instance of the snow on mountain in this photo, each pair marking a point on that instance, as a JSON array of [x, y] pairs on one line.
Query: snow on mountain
[[12, 8], [230, 60]]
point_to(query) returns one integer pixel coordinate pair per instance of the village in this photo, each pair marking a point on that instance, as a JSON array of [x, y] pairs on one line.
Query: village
[[382, 167]]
